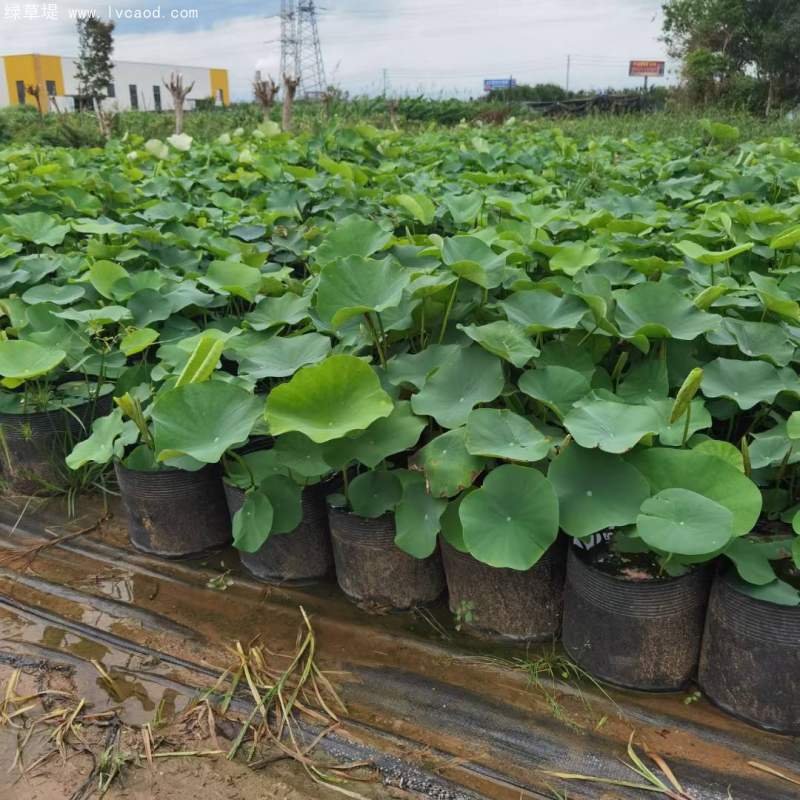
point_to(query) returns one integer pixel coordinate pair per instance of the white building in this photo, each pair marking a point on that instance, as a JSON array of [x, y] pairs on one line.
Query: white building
[[135, 85]]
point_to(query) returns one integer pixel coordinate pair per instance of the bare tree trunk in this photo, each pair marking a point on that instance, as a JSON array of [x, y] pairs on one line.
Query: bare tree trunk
[[178, 93], [770, 95], [104, 118], [265, 92], [289, 91]]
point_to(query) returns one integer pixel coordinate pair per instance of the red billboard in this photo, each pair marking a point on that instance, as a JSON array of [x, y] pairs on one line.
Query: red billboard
[[646, 69]]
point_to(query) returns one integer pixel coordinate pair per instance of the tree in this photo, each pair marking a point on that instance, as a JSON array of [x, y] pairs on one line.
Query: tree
[[265, 92], [179, 94], [290, 85], [94, 67], [735, 39]]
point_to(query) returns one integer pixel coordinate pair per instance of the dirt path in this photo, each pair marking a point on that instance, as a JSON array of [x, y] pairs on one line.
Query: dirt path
[[68, 776]]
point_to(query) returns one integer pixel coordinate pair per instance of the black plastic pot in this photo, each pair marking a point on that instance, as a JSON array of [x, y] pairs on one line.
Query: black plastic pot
[[642, 634], [750, 661], [36, 445], [507, 603], [299, 557], [373, 571], [173, 513]]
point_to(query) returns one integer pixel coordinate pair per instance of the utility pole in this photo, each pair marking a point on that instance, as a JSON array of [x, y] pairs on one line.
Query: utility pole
[[569, 64], [301, 52], [385, 81]]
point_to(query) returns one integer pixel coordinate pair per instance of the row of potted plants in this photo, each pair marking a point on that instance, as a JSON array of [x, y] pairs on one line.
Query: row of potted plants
[[500, 387]]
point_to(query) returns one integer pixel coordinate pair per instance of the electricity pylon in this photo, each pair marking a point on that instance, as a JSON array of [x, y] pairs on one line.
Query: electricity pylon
[[301, 53]]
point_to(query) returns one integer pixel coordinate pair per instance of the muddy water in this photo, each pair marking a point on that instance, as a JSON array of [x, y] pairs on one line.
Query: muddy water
[[414, 686]]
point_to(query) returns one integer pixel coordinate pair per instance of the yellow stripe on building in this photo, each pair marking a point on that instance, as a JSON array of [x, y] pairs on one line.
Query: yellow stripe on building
[[219, 81], [33, 70]]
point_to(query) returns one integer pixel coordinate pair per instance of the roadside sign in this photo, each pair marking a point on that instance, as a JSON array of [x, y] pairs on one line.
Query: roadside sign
[[490, 84], [646, 69]]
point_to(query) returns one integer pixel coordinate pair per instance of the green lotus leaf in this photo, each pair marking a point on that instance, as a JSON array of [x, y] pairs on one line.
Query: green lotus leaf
[[463, 208], [281, 356], [504, 339], [758, 340], [250, 469], [285, 496], [233, 277], [350, 287], [202, 420], [559, 388], [778, 592], [674, 434], [137, 340], [659, 311], [328, 400], [572, 258], [418, 206], [774, 298], [668, 468], [470, 377], [770, 447], [36, 227], [274, 312], [387, 436], [644, 381], [611, 425], [450, 522], [21, 360], [538, 311], [49, 293], [709, 257], [102, 316], [417, 518], [786, 239], [353, 236], [596, 490], [148, 306], [447, 465], [414, 369], [472, 259], [300, 455], [719, 449], [372, 494], [496, 433], [252, 523], [747, 383], [752, 560], [104, 274], [107, 440], [684, 522], [512, 520]]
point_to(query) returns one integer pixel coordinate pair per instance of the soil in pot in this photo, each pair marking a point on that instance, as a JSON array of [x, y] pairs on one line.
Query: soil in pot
[[629, 626], [173, 513], [750, 660], [373, 571], [299, 557], [507, 603], [34, 446]]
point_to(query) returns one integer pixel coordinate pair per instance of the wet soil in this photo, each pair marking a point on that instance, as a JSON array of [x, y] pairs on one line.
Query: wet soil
[[440, 713]]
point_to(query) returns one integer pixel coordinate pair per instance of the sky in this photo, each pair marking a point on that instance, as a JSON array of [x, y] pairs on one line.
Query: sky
[[435, 47]]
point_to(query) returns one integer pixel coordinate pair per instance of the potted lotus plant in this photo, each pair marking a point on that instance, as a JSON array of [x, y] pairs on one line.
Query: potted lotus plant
[[276, 496], [751, 646], [166, 448], [43, 411], [339, 404], [646, 520]]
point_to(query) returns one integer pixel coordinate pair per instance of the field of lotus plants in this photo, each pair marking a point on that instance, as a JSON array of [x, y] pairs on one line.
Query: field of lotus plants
[[553, 378]]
